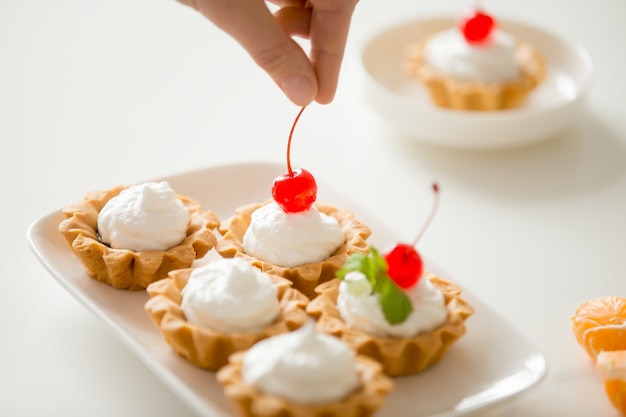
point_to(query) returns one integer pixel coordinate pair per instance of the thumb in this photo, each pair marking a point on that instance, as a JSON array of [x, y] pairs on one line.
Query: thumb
[[252, 25]]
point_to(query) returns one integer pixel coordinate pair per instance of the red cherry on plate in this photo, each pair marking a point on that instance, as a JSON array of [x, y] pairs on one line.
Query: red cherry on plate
[[404, 263], [296, 190], [477, 27]]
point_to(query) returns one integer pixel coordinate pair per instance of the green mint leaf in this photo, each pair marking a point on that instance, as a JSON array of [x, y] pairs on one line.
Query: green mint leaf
[[394, 302], [378, 267], [355, 262]]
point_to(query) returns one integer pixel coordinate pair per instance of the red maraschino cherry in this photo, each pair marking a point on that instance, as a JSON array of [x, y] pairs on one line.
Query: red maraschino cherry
[[477, 27], [404, 263], [296, 190]]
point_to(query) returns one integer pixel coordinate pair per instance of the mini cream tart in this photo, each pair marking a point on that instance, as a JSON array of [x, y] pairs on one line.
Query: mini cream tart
[[291, 239], [400, 280], [361, 308], [230, 296], [302, 366], [291, 231], [144, 217]]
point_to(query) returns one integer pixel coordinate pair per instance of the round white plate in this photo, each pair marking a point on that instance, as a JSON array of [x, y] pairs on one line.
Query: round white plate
[[404, 103]]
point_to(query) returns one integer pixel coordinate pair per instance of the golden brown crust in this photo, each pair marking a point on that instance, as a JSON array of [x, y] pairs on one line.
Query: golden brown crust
[[398, 356], [305, 277], [463, 95], [127, 269], [251, 402], [206, 348]]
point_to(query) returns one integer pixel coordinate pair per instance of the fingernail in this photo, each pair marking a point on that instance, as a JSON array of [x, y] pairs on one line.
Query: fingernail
[[298, 89]]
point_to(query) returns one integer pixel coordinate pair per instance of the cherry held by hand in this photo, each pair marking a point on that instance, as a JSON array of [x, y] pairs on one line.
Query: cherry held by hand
[[296, 190]]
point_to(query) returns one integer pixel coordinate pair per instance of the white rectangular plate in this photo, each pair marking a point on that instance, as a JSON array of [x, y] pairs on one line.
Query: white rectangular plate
[[491, 363]]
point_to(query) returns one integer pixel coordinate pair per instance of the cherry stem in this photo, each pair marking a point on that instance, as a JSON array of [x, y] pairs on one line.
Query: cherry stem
[[431, 215], [289, 142]]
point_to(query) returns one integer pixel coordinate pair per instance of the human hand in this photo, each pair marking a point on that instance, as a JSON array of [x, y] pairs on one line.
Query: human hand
[[268, 38]]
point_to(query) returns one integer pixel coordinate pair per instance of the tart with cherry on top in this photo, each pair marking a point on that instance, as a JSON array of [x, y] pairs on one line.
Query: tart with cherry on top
[[475, 65], [293, 235], [388, 307]]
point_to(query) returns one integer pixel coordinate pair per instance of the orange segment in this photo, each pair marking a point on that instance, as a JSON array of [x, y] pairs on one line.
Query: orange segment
[[612, 368], [604, 338], [600, 324], [616, 391]]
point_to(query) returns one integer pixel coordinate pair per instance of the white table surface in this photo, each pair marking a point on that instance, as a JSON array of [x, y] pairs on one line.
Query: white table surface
[[93, 94]]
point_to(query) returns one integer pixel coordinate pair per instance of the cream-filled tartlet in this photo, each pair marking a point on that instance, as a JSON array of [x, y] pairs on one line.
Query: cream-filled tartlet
[[405, 329], [388, 307], [294, 236], [207, 313], [476, 66], [306, 247], [129, 237], [303, 374]]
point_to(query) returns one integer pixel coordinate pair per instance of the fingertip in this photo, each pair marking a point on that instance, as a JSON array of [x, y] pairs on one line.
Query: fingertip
[[325, 98], [299, 89]]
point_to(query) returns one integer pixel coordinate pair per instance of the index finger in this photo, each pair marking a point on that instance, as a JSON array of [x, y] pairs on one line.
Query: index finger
[[251, 23], [330, 24]]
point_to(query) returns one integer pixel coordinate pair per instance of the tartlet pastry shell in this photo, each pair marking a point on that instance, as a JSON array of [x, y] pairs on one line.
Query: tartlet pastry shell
[[305, 277], [475, 95], [398, 356], [251, 402], [127, 269], [207, 348]]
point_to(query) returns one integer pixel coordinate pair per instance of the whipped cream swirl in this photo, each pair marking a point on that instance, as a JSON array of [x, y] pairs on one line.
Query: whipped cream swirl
[[230, 296], [302, 366], [361, 310], [450, 54], [291, 239], [144, 217]]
